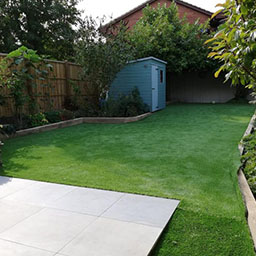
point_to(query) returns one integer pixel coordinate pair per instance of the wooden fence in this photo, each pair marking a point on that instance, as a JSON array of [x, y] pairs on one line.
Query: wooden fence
[[63, 79]]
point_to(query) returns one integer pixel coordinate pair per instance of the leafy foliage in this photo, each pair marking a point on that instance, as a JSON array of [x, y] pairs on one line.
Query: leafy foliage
[[234, 45], [125, 106], [102, 55], [163, 34], [5, 131], [46, 26], [37, 119], [19, 72], [66, 114], [1, 144], [249, 160], [53, 116]]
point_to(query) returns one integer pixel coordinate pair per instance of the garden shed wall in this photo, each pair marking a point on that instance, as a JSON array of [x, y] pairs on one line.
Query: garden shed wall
[[139, 74]]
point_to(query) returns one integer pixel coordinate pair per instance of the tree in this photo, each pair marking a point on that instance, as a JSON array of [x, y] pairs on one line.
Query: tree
[[163, 34], [102, 54], [43, 25], [234, 45]]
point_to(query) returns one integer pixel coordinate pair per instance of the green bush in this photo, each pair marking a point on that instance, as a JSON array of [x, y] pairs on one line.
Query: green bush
[[1, 144], [66, 115], [125, 105], [249, 160], [53, 116], [8, 129], [37, 120]]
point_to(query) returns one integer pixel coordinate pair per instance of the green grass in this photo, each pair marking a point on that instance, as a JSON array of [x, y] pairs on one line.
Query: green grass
[[187, 152]]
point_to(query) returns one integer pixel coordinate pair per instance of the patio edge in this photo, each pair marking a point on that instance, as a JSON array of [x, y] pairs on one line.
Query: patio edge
[[248, 197], [81, 120]]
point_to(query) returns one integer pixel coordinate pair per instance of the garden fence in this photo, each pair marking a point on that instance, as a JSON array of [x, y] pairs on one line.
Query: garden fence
[[64, 82]]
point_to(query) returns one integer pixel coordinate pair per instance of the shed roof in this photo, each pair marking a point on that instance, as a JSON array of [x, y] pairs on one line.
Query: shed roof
[[148, 58]]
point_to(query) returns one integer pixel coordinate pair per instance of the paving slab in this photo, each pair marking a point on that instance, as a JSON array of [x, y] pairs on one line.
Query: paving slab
[[49, 229], [87, 201], [11, 213], [113, 238], [13, 249], [47, 219], [11, 185], [40, 193], [140, 209]]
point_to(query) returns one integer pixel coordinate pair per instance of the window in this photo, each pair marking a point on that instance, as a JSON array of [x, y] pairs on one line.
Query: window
[[161, 76]]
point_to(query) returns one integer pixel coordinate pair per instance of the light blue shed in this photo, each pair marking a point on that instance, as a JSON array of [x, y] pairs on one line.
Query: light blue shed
[[149, 76]]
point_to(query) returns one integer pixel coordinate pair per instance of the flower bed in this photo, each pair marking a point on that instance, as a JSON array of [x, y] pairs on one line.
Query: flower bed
[[249, 160]]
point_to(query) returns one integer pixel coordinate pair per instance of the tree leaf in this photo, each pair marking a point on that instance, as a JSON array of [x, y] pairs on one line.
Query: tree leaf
[[216, 75]]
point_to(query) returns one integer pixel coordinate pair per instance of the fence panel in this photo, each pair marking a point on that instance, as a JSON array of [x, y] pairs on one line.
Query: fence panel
[[64, 82]]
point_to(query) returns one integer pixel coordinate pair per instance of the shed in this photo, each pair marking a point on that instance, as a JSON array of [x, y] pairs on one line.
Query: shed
[[149, 76]]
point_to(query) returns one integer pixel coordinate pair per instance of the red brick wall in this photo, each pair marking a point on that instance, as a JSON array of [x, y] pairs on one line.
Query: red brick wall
[[192, 15]]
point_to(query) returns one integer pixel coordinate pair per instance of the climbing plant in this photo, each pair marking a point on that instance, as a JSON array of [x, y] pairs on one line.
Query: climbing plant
[[20, 72]]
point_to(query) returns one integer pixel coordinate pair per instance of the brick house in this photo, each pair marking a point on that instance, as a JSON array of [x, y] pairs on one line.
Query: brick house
[[192, 12], [199, 87]]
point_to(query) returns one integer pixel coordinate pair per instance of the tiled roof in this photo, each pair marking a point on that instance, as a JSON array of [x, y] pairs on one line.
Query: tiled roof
[[143, 5]]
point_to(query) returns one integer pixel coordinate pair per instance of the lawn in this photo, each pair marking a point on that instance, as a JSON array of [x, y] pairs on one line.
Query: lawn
[[188, 152]]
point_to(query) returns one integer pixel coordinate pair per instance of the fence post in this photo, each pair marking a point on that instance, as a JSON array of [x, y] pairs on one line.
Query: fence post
[[67, 82], [32, 101]]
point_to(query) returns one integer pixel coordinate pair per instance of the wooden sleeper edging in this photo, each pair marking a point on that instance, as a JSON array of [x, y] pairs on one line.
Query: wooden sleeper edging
[[248, 197], [81, 120]]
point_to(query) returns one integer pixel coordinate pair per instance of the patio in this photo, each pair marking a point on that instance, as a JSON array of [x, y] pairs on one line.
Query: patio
[[47, 219]]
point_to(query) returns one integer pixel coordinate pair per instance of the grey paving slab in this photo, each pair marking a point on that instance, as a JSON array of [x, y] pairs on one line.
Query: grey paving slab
[[146, 210], [113, 238], [88, 201], [12, 213], [47, 219], [9, 185], [40, 193], [49, 229], [13, 249]]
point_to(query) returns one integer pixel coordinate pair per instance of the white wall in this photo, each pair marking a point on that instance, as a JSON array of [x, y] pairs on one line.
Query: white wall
[[198, 88]]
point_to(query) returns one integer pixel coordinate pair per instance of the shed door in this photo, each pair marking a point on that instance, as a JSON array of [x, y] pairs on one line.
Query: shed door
[[154, 88]]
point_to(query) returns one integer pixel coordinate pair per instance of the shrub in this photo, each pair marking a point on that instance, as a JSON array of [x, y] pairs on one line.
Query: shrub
[[19, 72], [1, 144], [5, 130], [249, 160], [37, 120], [8, 129], [125, 105], [102, 54], [66, 115], [53, 116]]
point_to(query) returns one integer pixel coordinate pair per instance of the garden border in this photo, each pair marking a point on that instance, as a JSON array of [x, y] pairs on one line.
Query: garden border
[[81, 120], [248, 197]]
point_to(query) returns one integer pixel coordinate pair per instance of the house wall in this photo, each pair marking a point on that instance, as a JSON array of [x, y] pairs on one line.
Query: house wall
[[192, 15], [198, 88]]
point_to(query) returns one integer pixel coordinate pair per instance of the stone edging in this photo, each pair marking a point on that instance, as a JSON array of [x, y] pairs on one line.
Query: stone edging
[[248, 197], [81, 120]]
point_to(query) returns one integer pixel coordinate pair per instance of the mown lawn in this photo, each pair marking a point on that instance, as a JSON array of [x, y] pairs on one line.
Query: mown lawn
[[188, 152]]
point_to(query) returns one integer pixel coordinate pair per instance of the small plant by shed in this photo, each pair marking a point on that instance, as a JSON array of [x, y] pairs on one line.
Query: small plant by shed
[[149, 76]]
